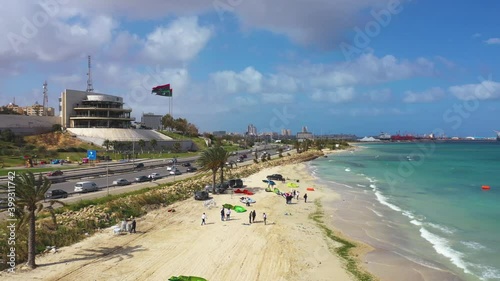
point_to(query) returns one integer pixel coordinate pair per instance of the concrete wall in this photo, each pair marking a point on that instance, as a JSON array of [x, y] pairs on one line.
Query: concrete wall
[[28, 125]]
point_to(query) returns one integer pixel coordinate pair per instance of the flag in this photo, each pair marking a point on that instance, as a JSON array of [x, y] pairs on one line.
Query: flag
[[162, 90]]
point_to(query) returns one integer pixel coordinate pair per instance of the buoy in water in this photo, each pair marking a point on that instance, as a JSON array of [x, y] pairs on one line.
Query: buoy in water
[[485, 187]]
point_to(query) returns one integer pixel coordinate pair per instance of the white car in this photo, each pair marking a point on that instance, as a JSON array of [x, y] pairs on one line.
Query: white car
[[154, 176], [175, 172], [170, 168]]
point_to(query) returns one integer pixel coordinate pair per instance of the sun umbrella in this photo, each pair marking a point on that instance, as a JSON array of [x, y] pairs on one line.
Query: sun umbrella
[[292, 185], [266, 181], [271, 183]]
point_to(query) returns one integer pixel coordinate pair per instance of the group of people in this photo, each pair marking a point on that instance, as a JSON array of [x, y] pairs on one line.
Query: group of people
[[292, 195], [227, 215], [128, 226]]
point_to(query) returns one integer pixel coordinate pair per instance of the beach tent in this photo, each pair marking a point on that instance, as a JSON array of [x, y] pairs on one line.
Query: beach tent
[[292, 185], [228, 206], [239, 209]]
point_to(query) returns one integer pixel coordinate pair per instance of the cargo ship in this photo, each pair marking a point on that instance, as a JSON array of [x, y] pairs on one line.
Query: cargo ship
[[384, 137]]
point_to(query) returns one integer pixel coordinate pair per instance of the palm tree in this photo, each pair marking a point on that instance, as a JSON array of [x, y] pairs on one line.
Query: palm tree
[[153, 143], [212, 159], [30, 195], [106, 144]]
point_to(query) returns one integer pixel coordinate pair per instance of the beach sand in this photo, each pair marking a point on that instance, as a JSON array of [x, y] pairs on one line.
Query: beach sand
[[290, 247]]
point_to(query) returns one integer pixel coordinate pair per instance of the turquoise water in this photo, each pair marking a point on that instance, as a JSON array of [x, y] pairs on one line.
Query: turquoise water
[[436, 188]]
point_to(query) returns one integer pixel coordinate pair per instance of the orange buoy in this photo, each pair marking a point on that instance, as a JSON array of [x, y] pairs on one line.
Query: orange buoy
[[485, 187], [310, 188]]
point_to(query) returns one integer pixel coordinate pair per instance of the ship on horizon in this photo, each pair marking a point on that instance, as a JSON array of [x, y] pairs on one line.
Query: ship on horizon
[[498, 135]]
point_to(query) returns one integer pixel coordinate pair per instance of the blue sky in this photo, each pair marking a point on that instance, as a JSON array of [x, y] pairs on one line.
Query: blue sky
[[336, 67]]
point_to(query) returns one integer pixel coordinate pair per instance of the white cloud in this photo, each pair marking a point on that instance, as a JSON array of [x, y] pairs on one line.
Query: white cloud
[[247, 81], [278, 98], [483, 91], [492, 41], [381, 95], [182, 40], [339, 95], [426, 96]]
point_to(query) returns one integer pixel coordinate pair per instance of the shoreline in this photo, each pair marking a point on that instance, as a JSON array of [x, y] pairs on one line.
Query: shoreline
[[290, 247], [360, 217]]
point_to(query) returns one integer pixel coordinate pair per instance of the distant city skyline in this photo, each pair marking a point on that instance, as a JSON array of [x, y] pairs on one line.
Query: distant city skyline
[[353, 67]]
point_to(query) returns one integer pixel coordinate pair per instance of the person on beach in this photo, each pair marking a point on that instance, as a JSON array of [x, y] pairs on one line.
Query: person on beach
[[297, 195], [222, 214], [250, 217], [264, 216], [203, 219], [305, 198], [253, 216], [228, 214], [134, 224]]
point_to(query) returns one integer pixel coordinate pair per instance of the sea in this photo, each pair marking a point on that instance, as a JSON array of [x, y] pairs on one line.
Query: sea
[[426, 202]]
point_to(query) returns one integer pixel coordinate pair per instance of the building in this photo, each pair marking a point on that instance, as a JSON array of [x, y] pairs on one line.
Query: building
[[286, 132], [152, 121], [38, 110], [16, 108], [81, 109], [305, 136], [251, 130], [304, 129]]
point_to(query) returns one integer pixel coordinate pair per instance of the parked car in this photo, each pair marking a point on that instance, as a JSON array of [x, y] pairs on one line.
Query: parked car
[[56, 194], [187, 164], [175, 172], [141, 179], [154, 176], [121, 182], [55, 173], [56, 161], [276, 177], [236, 183], [191, 169], [86, 186], [139, 166], [201, 195]]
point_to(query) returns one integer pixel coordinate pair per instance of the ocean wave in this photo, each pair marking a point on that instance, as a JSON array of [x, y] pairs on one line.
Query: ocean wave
[[347, 170], [416, 222], [442, 228], [360, 185], [371, 180], [488, 272], [473, 245], [442, 247], [419, 261], [383, 200], [376, 213]]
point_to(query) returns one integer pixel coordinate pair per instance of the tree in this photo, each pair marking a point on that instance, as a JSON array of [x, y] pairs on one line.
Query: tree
[[212, 159], [29, 194], [177, 147], [153, 144], [56, 127], [167, 121], [106, 144], [181, 124], [142, 144], [192, 130]]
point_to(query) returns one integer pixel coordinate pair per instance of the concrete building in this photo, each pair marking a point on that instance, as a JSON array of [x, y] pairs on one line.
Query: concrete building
[[16, 108], [151, 121], [304, 129], [81, 109], [305, 136], [251, 130], [38, 110], [286, 132]]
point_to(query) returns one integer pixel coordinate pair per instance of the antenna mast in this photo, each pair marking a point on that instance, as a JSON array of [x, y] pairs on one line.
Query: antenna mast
[[45, 99], [90, 88]]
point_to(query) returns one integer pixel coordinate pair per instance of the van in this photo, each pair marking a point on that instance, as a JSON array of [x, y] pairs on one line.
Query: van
[[85, 186]]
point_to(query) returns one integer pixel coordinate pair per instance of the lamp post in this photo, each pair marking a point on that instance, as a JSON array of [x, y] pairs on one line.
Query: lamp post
[[107, 175]]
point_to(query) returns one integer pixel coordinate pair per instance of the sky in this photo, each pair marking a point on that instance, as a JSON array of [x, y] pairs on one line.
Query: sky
[[336, 66]]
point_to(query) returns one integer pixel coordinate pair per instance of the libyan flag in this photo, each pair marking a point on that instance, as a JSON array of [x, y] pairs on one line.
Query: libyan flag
[[162, 90]]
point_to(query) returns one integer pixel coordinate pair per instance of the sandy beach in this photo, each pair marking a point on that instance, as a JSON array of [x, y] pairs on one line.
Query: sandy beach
[[171, 243]]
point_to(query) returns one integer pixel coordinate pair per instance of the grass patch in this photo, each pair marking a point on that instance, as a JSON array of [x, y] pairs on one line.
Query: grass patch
[[344, 250]]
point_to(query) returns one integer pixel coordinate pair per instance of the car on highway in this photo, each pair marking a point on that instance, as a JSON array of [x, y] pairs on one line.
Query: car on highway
[[191, 169], [170, 168], [86, 186], [121, 182], [142, 179], [139, 166], [55, 173], [175, 172], [187, 164], [56, 194], [154, 176]]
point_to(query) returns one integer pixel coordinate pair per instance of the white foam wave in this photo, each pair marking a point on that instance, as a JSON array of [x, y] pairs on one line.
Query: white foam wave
[[383, 200], [473, 245], [416, 222], [409, 214], [442, 228], [360, 185], [489, 273], [347, 170], [377, 213], [371, 180], [442, 247]]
